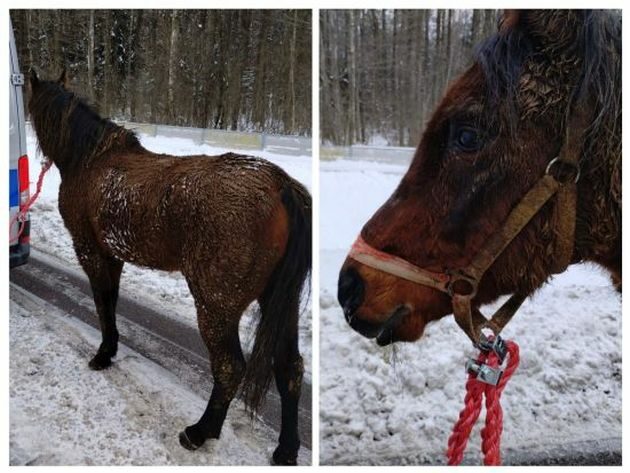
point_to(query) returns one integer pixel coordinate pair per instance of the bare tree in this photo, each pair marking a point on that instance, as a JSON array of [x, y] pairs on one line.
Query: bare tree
[[172, 61], [382, 71], [90, 57], [236, 69]]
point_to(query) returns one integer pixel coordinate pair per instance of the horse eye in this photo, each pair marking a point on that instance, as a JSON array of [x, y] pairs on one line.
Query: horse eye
[[467, 139]]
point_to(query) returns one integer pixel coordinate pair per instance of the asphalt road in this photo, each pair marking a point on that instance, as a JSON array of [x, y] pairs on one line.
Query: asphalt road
[[172, 344]]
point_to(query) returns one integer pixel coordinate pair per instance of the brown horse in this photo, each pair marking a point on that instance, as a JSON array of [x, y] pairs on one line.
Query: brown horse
[[237, 227], [467, 222]]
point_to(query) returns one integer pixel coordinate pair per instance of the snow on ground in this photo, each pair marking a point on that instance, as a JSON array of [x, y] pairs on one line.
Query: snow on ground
[[167, 292], [396, 405], [130, 413]]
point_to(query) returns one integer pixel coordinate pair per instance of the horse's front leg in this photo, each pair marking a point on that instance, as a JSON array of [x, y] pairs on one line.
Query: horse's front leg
[[228, 366], [104, 275]]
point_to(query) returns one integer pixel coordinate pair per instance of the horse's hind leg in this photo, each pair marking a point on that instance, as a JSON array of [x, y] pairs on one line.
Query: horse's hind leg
[[288, 370], [219, 330], [104, 275]]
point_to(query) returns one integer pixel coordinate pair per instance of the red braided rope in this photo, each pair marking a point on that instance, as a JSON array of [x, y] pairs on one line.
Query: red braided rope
[[467, 417], [21, 214], [475, 389], [491, 433]]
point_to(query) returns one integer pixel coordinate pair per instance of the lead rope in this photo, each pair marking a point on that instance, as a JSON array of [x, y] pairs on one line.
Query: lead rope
[[20, 215], [484, 377]]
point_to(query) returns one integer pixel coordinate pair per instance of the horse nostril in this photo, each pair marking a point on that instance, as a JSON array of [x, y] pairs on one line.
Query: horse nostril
[[350, 291]]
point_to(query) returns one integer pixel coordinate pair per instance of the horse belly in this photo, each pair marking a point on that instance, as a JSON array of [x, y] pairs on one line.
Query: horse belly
[[152, 251], [132, 234]]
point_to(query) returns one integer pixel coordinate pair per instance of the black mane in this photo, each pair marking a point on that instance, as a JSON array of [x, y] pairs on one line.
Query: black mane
[[69, 131]]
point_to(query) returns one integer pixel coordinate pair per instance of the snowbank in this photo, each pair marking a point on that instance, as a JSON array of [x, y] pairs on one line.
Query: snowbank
[[397, 405]]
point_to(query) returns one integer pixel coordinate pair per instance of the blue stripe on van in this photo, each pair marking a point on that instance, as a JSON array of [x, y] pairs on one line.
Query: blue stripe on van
[[14, 193]]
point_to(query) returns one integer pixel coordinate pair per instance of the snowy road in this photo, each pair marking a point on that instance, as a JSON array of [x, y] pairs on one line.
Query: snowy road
[[397, 405], [175, 346], [128, 414], [50, 349]]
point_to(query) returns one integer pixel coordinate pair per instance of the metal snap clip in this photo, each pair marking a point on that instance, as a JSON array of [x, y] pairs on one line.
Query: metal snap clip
[[495, 344], [484, 373]]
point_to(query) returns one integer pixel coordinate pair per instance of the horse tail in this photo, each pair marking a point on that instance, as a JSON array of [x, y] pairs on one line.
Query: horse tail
[[280, 301]]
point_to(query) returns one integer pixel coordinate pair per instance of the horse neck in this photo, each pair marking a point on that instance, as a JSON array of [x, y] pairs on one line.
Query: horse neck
[[52, 146], [598, 225], [79, 137]]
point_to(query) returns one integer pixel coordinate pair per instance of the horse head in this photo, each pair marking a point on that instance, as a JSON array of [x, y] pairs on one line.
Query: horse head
[[69, 131], [48, 104], [490, 140]]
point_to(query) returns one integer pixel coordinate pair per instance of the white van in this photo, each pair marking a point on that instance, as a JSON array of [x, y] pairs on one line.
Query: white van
[[19, 247]]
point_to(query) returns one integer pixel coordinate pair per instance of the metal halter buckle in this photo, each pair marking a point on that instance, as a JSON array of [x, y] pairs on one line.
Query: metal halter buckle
[[484, 373], [496, 345], [557, 160]]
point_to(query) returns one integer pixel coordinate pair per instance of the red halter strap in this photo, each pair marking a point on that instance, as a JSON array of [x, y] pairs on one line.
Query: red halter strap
[[370, 256]]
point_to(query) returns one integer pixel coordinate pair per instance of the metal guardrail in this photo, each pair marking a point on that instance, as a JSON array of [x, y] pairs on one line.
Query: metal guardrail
[[280, 144], [382, 154]]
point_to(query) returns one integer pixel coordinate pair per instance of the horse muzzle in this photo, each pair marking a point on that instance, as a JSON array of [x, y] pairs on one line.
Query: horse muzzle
[[350, 291], [351, 295]]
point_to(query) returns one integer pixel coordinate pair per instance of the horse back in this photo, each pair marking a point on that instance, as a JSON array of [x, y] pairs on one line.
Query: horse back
[[157, 210]]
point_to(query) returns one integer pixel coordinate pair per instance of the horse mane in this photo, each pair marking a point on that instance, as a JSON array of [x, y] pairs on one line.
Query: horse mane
[[600, 81], [71, 131], [597, 44]]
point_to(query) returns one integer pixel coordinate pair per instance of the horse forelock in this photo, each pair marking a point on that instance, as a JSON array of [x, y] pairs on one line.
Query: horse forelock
[[584, 63], [501, 58], [69, 131]]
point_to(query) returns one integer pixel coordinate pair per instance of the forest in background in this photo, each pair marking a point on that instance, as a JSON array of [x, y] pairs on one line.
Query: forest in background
[[247, 70], [383, 71]]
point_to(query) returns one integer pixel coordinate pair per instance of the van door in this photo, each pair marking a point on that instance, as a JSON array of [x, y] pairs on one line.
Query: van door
[[19, 248]]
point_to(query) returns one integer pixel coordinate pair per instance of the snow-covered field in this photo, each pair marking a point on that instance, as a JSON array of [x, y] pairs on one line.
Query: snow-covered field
[[397, 405], [132, 412]]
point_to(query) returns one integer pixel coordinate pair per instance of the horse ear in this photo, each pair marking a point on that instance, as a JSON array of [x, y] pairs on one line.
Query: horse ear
[[509, 20], [34, 78], [63, 79]]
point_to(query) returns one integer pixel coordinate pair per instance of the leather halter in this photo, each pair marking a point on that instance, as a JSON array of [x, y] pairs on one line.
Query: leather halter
[[461, 284]]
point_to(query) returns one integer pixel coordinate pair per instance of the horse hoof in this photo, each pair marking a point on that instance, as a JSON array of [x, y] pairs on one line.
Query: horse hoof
[[100, 362], [188, 444], [283, 458]]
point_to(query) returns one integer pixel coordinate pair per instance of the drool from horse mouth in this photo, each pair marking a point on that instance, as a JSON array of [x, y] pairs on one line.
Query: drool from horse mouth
[[386, 334]]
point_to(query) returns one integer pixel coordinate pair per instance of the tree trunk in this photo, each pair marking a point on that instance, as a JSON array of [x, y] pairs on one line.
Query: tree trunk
[[135, 19], [107, 63], [172, 64], [292, 71], [449, 58], [90, 56]]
